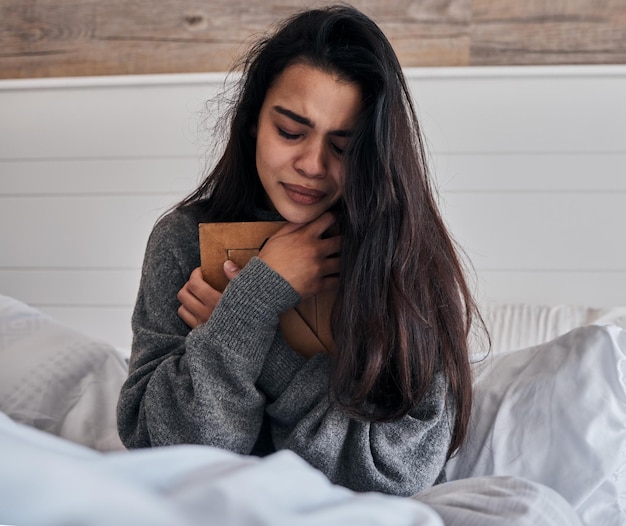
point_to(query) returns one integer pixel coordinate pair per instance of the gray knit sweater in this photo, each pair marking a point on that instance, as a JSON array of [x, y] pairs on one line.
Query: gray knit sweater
[[234, 383]]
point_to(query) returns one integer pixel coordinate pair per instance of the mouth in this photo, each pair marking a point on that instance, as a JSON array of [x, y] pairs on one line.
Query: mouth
[[302, 195]]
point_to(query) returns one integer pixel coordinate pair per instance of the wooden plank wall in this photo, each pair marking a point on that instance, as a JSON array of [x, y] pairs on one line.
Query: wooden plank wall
[[52, 38]]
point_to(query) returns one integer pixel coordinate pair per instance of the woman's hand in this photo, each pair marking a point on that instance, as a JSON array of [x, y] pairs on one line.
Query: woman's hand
[[198, 299], [308, 262]]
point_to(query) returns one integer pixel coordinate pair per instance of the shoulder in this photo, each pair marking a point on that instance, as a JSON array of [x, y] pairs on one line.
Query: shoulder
[[178, 221], [174, 242], [178, 228]]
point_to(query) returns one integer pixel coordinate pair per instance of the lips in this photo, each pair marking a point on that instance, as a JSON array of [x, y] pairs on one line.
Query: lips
[[302, 195]]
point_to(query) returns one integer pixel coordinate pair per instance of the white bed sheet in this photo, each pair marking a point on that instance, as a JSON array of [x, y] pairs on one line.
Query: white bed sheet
[[67, 384]]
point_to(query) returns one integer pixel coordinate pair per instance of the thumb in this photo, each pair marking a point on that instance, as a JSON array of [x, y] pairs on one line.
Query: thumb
[[231, 269]]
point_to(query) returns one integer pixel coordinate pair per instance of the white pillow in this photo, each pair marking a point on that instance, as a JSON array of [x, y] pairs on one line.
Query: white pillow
[[58, 380], [514, 326], [555, 414]]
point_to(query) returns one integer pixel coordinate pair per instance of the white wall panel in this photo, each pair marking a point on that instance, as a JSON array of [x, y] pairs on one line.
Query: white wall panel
[[178, 175], [77, 232], [531, 163], [542, 111], [102, 287], [103, 121], [558, 287], [545, 172], [523, 231]]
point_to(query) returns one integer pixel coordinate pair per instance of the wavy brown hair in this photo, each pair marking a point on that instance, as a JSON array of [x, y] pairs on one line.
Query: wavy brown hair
[[404, 310]]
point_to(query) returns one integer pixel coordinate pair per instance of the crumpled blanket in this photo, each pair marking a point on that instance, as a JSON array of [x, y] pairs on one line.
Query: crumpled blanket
[[49, 481]]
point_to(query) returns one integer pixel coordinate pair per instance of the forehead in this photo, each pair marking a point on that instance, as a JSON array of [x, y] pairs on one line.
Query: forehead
[[321, 97]]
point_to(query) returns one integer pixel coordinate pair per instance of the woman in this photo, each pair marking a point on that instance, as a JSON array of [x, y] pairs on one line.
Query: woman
[[323, 131]]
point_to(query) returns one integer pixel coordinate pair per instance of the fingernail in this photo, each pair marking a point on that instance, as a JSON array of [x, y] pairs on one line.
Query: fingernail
[[230, 266]]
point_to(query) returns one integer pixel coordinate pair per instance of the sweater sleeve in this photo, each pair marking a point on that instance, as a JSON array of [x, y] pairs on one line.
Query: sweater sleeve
[[198, 386], [401, 457]]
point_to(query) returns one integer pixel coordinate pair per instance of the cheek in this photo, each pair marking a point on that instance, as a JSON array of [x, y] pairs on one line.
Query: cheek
[[264, 167], [269, 154], [339, 180]]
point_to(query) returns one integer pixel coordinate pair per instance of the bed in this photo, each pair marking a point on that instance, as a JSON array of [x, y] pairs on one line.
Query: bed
[[533, 190]]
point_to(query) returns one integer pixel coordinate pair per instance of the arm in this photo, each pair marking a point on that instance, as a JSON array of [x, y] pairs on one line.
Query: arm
[[400, 458], [198, 386]]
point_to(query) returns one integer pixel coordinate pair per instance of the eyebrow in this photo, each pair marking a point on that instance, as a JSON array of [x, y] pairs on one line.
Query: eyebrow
[[307, 122]]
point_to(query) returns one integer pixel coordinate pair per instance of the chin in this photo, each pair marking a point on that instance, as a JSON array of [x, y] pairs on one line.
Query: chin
[[299, 217]]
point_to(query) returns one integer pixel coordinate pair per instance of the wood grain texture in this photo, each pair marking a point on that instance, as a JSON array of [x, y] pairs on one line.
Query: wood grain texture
[[555, 32], [50, 38]]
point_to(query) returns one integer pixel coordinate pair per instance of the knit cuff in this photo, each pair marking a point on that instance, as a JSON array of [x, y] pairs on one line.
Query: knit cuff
[[246, 318], [262, 289]]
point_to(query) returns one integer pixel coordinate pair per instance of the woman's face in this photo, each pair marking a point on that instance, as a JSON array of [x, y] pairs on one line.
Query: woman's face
[[304, 126]]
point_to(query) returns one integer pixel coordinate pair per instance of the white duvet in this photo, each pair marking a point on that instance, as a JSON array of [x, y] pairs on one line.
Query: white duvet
[[47, 481]]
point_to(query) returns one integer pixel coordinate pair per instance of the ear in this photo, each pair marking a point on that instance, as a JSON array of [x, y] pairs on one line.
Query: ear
[[253, 130]]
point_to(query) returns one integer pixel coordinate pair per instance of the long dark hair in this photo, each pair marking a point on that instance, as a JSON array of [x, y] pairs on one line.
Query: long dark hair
[[404, 310]]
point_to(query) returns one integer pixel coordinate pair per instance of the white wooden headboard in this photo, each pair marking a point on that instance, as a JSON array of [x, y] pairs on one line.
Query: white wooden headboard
[[530, 161]]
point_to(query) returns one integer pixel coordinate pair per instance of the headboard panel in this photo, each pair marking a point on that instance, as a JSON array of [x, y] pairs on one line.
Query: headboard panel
[[530, 163]]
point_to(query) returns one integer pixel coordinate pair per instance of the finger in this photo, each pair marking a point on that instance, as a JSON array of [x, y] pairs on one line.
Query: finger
[[201, 290], [329, 283], [331, 245], [287, 228], [196, 274], [190, 301], [187, 317], [331, 266], [196, 283], [322, 223], [231, 269], [197, 295]]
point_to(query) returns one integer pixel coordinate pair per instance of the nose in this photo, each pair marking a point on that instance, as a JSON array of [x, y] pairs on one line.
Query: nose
[[311, 161]]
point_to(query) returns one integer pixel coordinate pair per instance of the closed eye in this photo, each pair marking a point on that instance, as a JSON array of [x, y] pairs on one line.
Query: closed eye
[[288, 136], [339, 151]]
